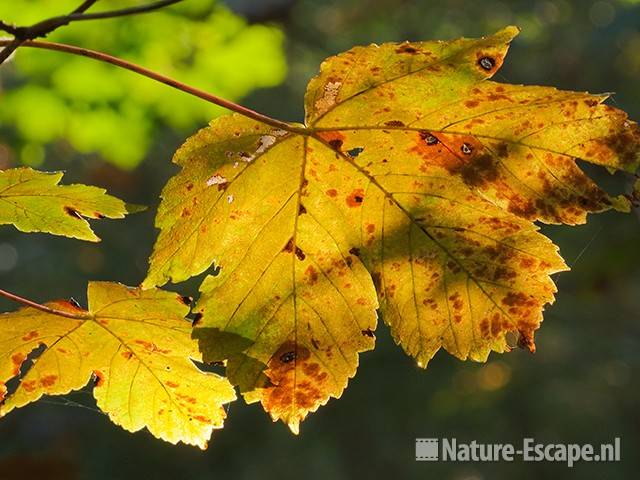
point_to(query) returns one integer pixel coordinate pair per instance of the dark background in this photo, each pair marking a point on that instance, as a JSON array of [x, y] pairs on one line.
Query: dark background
[[580, 386]]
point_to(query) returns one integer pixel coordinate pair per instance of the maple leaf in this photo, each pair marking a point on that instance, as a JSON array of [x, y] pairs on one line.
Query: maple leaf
[[136, 344], [411, 164], [34, 202]]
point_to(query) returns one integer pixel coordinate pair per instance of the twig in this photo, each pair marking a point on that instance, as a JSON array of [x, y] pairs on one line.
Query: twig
[[121, 13], [13, 30], [43, 28], [44, 308], [103, 57], [85, 6], [23, 34]]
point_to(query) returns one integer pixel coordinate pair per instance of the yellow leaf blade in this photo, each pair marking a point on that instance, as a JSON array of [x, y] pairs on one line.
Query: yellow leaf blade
[[33, 201], [413, 165], [281, 262], [137, 346]]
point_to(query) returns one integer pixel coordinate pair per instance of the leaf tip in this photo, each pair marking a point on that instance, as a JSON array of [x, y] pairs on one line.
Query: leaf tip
[[510, 31], [294, 426]]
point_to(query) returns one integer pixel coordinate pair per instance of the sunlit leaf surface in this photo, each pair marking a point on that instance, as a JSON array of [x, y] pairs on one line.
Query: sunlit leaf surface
[[137, 347], [413, 166], [34, 202]]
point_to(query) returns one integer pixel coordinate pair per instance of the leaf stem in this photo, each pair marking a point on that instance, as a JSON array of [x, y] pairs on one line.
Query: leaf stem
[[103, 57], [44, 308]]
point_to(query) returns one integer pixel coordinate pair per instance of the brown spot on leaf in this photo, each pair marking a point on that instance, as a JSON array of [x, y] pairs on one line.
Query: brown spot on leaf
[[354, 251], [296, 386], [17, 359], [356, 198], [29, 386], [332, 192], [518, 299], [368, 333], [525, 341], [300, 254], [151, 347], [30, 336], [312, 273], [288, 357], [522, 207], [72, 212], [48, 380], [334, 138], [428, 138], [186, 300], [407, 49], [477, 171], [502, 150], [99, 378], [624, 144]]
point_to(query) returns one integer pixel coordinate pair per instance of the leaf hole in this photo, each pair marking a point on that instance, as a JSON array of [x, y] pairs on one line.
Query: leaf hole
[[487, 63]]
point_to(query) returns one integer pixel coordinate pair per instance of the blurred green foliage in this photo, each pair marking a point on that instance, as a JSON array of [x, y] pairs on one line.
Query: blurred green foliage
[[96, 107]]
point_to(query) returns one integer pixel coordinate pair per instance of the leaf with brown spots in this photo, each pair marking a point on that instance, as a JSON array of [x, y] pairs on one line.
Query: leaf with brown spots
[[413, 165], [137, 346], [288, 283], [33, 201]]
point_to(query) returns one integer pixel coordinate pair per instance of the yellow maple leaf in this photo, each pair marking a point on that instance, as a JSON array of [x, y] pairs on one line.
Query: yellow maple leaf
[[34, 202], [135, 343], [412, 165]]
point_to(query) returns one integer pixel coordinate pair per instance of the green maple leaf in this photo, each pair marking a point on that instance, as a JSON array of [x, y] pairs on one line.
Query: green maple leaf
[[33, 201]]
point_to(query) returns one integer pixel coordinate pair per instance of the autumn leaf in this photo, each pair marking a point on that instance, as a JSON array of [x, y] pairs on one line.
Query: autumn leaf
[[34, 202], [413, 165], [136, 345]]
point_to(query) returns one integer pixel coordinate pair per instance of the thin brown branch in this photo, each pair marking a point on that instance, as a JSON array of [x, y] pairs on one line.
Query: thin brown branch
[[85, 6], [45, 27], [23, 34], [123, 12], [44, 308], [103, 57], [5, 27]]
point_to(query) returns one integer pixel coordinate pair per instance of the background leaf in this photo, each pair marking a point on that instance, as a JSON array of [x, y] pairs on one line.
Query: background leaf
[[99, 108], [34, 202]]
